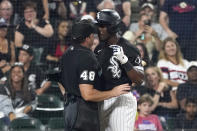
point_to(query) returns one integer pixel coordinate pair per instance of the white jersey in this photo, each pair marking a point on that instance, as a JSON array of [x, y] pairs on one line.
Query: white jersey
[[176, 73]]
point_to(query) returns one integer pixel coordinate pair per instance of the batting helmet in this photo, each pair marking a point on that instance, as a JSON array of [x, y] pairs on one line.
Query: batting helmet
[[109, 18]]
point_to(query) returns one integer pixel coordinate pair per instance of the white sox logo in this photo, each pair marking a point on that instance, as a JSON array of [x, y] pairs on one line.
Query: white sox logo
[[114, 67]]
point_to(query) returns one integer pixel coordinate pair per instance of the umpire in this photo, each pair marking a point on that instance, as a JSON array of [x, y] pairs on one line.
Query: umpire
[[80, 78]]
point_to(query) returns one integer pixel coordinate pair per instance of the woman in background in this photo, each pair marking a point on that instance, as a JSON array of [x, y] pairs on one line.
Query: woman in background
[[22, 97], [172, 64]]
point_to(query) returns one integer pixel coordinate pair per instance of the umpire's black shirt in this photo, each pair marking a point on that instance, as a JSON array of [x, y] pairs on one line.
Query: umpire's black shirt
[[78, 66]]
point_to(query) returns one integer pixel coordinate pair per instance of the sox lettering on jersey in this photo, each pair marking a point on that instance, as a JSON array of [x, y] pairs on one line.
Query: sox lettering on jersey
[[114, 67]]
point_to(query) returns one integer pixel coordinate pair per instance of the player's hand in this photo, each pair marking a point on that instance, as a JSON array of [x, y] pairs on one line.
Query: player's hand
[[119, 54], [121, 89]]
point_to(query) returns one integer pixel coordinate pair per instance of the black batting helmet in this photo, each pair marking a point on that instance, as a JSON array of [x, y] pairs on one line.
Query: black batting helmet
[[81, 30], [109, 18]]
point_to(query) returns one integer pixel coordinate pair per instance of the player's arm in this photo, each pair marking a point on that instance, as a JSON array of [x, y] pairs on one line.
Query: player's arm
[[134, 72], [89, 93]]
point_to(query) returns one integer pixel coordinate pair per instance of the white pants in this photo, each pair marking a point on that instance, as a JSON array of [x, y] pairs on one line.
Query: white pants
[[118, 113]]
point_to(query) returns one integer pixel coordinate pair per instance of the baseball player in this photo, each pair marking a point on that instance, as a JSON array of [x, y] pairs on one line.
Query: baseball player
[[120, 62], [80, 78]]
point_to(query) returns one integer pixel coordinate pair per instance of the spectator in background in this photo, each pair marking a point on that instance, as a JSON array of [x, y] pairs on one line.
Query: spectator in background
[[106, 4], [189, 88], [91, 8], [144, 54], [187, 120], [7, 49], [42, 5], [150, 10], [172, 64], [123, 7], [76, 8], [146, 120], [164, 98], [34, 74], [23, 98], [60, 43], [6, 12], [6, 108], [57, 10], [148, 33], [178, 18], [33, 31]]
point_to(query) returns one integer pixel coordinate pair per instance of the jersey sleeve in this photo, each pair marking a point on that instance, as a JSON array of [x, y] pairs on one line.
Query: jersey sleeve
[[134, 57], [87, 70]]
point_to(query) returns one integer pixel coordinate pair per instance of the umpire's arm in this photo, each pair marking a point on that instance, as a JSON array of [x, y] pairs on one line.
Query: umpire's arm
[[89, 93]]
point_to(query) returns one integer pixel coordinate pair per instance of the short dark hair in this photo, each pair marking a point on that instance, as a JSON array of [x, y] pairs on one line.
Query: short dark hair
[[30, 4], [190, 100], [145, 98]]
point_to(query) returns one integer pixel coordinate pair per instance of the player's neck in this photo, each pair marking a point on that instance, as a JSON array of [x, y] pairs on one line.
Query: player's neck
[[113, 40], [86, 45]]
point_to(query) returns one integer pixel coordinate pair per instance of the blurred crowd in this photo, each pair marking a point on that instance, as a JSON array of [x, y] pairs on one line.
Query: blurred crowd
[[34, 34]]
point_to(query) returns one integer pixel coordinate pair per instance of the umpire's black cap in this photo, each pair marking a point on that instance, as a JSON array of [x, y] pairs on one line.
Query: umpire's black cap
[[83, 29]]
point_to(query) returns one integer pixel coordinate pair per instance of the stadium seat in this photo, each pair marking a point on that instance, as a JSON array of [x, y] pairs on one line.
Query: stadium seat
[[49, 102], [49, 106], [26, 124], [170, 123], [3, 127], [56, 123], [54, 90]]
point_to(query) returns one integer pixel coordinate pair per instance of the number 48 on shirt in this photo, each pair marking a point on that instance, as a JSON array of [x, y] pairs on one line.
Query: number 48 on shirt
[[87, 75]]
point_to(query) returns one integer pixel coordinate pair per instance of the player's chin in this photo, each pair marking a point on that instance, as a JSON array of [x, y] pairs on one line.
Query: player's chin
[[102, 37]]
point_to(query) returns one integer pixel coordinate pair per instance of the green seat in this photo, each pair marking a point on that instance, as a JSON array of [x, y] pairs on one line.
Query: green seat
[[54, 90], [3, 126], [170, 124], [26, 124], [49, 106], [49, 102], [56, 123]]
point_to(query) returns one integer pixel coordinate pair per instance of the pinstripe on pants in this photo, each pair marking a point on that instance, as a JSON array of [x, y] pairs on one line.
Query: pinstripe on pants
[[118, 113]]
